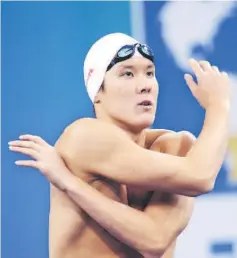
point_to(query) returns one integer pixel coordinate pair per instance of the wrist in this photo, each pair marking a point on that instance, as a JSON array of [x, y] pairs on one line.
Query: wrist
[[73, 185], [219, 105], [67, 182]]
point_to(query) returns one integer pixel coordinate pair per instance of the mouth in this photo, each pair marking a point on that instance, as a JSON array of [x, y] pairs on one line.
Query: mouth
[[146, 103]]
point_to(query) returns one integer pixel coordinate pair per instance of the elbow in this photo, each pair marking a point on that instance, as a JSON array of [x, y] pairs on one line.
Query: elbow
[[200, 180], [202, 186], [207, 186], [156, 247]]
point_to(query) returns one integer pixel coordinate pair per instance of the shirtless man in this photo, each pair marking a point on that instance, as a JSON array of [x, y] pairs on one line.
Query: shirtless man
[[127, 212]]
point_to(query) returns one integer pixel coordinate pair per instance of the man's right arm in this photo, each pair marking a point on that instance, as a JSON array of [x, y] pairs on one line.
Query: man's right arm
[[103, 149]]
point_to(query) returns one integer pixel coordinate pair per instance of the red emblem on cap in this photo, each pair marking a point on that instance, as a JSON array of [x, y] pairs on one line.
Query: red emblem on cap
[[89, 75]]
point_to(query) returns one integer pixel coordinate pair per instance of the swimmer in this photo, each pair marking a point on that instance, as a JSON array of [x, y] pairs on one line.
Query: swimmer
[[118, 188]]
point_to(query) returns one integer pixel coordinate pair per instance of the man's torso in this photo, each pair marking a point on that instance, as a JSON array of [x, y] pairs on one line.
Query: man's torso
[[73, 234]]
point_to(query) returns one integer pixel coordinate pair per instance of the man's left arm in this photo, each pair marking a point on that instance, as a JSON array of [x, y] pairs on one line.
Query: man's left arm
[[171, 214], [150, 231]]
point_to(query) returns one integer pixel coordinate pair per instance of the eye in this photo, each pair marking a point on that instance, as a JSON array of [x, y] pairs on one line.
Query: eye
[[128, 74], [150, 74]]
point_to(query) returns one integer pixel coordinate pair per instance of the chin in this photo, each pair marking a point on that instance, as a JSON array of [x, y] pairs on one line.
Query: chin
[[135, 123], [143, 123]]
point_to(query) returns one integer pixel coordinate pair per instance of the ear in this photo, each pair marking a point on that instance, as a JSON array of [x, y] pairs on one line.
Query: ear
[[97, 98]]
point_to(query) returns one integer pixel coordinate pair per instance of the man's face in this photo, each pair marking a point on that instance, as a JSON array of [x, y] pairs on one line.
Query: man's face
[[130, 93]]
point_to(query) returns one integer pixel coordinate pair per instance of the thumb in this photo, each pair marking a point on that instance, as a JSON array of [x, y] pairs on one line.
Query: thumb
[[190, 82]]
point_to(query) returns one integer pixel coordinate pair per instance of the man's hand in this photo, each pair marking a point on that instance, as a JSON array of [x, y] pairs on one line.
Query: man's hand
[[213, 86], [46, 158]]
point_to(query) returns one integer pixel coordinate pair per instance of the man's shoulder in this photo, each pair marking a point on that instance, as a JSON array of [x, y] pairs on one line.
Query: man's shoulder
[[86, 142], [86, 130], [158, 136], [76, 136], [83, 127], [152, 135], [81, 124]]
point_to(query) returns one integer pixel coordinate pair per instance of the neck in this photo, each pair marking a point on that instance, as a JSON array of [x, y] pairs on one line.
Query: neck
[[137, 135]]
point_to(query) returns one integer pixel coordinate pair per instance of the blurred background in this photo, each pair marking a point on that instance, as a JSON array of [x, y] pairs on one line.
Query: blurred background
[[43, 48]]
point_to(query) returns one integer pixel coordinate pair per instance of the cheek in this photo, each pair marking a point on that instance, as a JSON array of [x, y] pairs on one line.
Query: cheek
[[123, 101], [156, 88], [124, 90], [127, 95], [116, 98], [156, 85]]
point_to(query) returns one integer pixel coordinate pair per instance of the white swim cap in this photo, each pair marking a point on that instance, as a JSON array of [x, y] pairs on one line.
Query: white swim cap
[[99, 57]]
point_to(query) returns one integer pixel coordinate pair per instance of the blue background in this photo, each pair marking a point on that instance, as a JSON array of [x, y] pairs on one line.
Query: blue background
[[43, 48], [185, 113]]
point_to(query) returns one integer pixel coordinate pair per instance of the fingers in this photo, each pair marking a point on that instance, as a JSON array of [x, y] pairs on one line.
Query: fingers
[[202, 66], [29, 141], [215, 68], [27, 163], [225, 74], [205, 66], [25, 144], [26, 151], [191, 83], [33, 138], [196, 67]]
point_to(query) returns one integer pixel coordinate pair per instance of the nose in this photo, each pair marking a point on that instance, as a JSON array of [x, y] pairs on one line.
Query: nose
[[144, 89]]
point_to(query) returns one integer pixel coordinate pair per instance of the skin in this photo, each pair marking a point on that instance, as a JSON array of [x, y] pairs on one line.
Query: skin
[[132, 81], [147, 220]]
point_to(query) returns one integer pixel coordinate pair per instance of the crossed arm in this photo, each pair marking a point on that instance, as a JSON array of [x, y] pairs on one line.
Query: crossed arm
[[150, 231], [107, 151]]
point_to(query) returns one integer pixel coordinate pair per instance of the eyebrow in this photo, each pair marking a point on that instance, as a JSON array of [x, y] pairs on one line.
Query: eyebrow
[[133, 66]]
